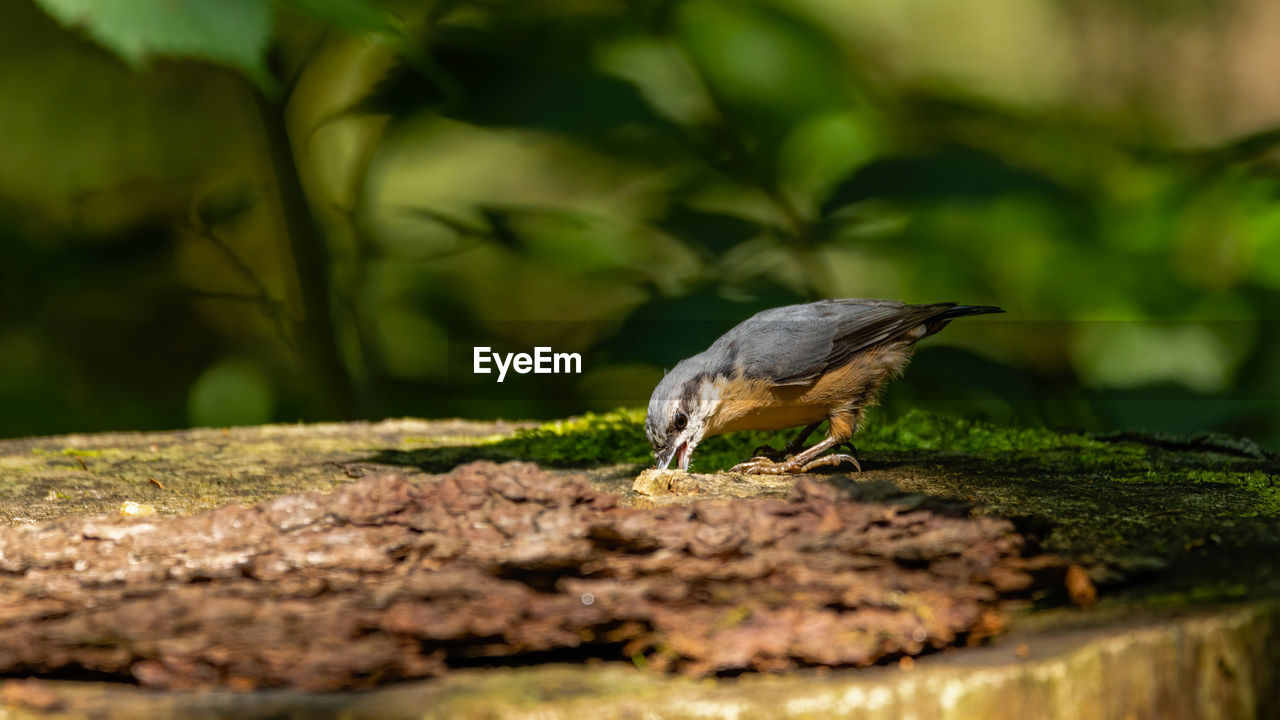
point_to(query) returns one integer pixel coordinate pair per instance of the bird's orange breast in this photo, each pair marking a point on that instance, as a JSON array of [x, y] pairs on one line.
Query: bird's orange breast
[[757, 404]]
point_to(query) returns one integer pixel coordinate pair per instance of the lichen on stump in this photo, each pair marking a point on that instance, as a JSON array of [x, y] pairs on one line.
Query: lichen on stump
[[385, 579]]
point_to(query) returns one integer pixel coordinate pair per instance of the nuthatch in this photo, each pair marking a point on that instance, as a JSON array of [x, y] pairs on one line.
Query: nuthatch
[[787, 367]]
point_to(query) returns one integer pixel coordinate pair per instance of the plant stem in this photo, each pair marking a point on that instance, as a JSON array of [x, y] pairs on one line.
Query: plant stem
[[315, 329]]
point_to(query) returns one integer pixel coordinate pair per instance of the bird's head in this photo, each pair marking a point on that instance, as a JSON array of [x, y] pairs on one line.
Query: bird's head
[[679, 409]]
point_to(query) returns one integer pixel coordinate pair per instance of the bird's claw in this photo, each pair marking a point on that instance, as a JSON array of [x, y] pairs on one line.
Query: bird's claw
[[833, 460], [765, 466], [761, 465], [755, 465]]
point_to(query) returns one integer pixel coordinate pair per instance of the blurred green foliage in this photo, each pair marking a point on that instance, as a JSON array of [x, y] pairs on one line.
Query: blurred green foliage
[[221, 212]]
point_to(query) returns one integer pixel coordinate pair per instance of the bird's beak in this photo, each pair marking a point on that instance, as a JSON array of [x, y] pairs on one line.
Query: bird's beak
[[680, 454], [662, 460], [683, 453]]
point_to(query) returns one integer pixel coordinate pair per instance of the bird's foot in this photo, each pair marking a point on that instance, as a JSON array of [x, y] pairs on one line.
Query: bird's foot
[[833, 460], [762, 465]]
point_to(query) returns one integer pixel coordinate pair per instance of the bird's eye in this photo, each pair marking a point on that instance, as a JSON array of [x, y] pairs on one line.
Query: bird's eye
[[681, 421]]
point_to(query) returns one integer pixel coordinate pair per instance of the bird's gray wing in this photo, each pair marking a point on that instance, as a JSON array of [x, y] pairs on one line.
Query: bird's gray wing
[[796, 344]]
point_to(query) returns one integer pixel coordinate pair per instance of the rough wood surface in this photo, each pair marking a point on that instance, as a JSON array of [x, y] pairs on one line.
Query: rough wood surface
[[186, 471], [384, 579], [1170, 528]]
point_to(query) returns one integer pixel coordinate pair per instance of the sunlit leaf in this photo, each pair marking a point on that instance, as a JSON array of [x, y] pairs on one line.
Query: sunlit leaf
[[768, 68], [234, 33]]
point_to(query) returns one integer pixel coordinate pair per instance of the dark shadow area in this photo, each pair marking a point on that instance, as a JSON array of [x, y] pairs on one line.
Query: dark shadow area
[[72, 672]]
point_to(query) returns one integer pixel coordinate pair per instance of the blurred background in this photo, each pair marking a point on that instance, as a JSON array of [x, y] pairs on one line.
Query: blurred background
[[220, 212]]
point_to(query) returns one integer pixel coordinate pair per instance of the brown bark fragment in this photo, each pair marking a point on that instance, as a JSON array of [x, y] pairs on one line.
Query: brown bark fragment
[[384, 579]]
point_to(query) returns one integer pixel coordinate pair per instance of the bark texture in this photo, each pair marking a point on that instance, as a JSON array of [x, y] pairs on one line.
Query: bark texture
[[386, 579]]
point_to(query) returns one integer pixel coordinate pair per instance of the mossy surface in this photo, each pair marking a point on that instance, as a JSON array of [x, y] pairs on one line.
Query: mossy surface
[[187, 471], [618, 437], [1126, 506], [1165, 523], [1123, 505]]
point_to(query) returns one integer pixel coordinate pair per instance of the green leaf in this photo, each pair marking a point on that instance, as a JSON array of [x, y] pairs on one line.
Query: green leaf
[[948, 173], [770, 68], [350, 15], [234, 33]]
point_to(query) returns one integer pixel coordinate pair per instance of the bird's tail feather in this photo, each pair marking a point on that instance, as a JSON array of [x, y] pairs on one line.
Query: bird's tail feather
[[963, 310], [944, 318]]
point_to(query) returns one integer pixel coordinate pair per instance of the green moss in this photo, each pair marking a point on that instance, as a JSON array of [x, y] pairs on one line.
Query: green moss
[[1075, 462], [618, 437], [1200, 594], [1265, 485]]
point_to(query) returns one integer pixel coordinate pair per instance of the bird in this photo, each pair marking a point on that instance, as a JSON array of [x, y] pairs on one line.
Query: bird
[[792, 366]]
